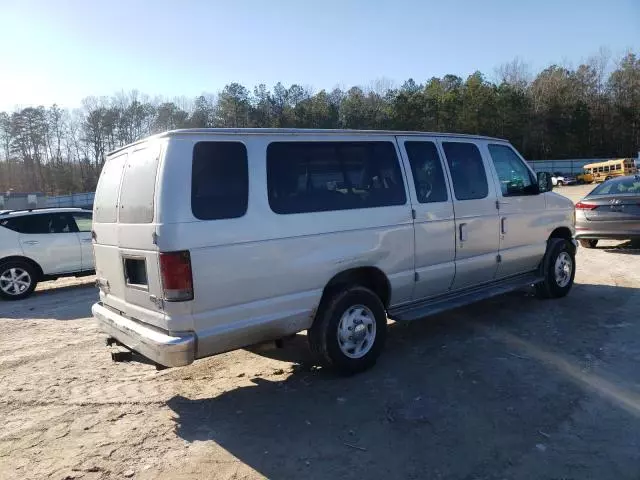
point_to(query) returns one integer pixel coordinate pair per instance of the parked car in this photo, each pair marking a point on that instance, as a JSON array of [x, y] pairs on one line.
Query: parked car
[[209, 240], [610, 211], [559, 179], [42, 244]]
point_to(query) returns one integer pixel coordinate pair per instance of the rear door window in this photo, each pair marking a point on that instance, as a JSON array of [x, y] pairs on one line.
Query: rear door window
[[467, 170], [326, 176], [138, 185], [219, 180]]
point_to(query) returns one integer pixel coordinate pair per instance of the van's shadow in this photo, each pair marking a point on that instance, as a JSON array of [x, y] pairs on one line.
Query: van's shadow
[[446, 400], [69, 302]]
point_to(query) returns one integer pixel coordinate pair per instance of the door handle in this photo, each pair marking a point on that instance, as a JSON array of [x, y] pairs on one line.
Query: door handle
[[87, 240], [30, 242], [463, 232], [503, 225]]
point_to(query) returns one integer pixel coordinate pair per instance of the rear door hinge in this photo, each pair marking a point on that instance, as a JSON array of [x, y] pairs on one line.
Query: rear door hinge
[[154, 238], [413, 213], [497, 204], [416, 276], [499, 258]]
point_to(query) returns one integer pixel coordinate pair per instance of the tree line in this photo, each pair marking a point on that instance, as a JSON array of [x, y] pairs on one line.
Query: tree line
[[587, 112]]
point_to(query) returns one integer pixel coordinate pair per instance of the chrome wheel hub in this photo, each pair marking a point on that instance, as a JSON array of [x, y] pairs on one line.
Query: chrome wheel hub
[[14, 281], [356, 331], [563, 269]]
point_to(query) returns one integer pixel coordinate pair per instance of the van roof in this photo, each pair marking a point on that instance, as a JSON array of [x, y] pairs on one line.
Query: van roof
[[299, 131]]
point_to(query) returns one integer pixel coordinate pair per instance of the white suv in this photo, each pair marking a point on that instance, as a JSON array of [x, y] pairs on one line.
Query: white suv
[[214, 239], [42, 244]]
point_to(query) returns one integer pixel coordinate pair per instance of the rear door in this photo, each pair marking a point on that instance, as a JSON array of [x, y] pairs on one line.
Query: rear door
[[126, 254], [50, 239], [434, 222], [476, 215]]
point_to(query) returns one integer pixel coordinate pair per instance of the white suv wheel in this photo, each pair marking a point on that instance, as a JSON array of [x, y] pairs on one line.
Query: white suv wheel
[[17, 280]]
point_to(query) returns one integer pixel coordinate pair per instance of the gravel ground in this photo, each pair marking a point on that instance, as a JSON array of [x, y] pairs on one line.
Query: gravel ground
[[511, 388]]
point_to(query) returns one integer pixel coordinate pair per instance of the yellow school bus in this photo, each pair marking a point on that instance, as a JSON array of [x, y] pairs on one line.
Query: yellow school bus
[[601, 171]]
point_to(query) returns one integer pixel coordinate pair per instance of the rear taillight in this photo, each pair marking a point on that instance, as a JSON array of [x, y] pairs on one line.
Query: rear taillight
[[177, 282], [586, 206]]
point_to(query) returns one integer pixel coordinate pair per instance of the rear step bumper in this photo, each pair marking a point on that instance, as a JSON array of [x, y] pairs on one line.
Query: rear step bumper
[[161, 348]]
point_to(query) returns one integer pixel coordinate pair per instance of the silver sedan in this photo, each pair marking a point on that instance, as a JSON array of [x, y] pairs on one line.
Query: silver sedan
[[610, 211]]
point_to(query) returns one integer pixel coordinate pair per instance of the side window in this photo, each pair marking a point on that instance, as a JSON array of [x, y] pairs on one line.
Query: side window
[[39, 224], [606, 168], [83, 221], [219, 180], [426, 168], [60, 223], [36, 224], [325, 176], [515, 178], [467, 171], [14, 224]]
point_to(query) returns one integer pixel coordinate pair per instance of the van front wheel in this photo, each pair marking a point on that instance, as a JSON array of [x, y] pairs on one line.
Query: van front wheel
[[349, 330], [559, 269]]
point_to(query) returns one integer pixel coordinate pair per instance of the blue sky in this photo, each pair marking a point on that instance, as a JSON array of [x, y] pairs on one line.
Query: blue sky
[[63, 50]]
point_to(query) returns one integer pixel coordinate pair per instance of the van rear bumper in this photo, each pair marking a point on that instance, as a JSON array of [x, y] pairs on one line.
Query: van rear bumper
[[160, 347]]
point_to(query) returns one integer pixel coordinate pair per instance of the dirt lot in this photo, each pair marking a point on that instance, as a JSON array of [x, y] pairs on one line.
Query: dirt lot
[[512, 388]]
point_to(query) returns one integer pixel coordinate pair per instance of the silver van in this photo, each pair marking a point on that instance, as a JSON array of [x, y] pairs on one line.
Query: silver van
[[209, 240]]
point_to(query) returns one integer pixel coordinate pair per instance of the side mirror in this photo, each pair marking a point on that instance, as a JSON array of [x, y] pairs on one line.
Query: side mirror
[[545, 184]]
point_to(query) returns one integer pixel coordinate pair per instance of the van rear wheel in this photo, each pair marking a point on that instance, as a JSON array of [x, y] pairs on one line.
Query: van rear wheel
[[349, 331]]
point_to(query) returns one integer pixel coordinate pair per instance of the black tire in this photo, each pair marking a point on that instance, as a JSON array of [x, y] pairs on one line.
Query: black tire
[[552, 286], [28, 277], [324, 338], [588, 243], [560, 183]]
